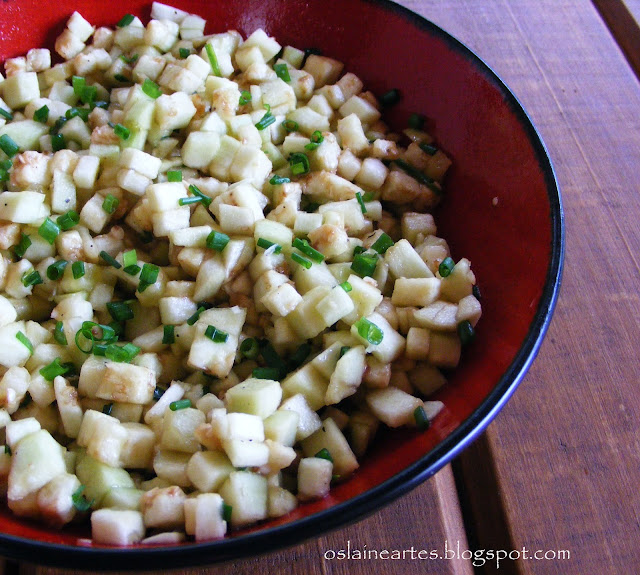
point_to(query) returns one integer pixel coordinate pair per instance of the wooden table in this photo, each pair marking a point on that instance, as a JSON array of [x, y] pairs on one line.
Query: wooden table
[[557, 472]]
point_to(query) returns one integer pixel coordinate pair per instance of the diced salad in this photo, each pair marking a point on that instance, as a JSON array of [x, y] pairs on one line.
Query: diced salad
[[219, 274]]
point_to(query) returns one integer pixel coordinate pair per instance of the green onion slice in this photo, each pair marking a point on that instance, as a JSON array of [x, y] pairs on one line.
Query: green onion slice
[[110, 260], [266, 244], [8, 146], [6, 114], [304, 262], [466, 333], [54, 369], [107, 408], [316, 139], [24, 340], [120, 310], [282, 71], [80, 501], [382, 244], [77, 269], [245, 97], [249, 348], [299, 163], [206, 200], [151, 89], [369, 331], [129, 258], [22, 246], [68, 220], [121, 354], [168, 335], [213, 60], [148, 276], [194, 318], [184, 53], [364, 265], [428, 149], [307, 250], [422, 421], [121, 131], [189, 200], [290, 126], [418, 176], [299, 356], [277, 180], [174, 175], [266, 373], [416, 121], [58, 334], [344, 349], [390, 98], [446, 267], [180, 404], [217, 241], [41, 114], [216, 335], [32, 278], [363, 208], [266, 120], [125, 20], [58, 142], [346, 286], [324, 454], [110, 203], [227, 510]]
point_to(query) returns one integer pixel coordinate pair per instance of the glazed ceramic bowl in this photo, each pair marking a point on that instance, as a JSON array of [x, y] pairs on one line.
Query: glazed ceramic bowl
[[502, 210]]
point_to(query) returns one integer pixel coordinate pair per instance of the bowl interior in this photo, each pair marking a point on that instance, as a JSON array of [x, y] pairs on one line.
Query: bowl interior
[[501, 210]]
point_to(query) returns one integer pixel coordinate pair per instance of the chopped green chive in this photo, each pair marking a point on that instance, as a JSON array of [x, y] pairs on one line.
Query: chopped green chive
[[290, 126], [107, 408], [58, 334], [56, 269], [213, 60], [129, 258], [217, 241], [216, 335], [68, 220], [151, 89], [83, 113], [194, 318], [282, 71], [428, 149], [121, 131], [54, 369], [174, 175], [77, 269], [7, 450], [184, 53], [129, 59], [110, 203], [382, 244], [266, 120], [390, 98], [121, 78], [148, 276], [316, 139], [418, 175], [364, 265], [363, 208], [32, 278], [245, 97], [344, 349], [206, 200], [168, 335], [125, 21], [422, 421], [304, 262], [475, 290], [180, 404], [121, 354], [324, 454], [24, 340], [368, 196], [158, 392], [249, 348], [346, 286], [277, 180], [131, 270], [369, 331], [8, 146], [446, 267], [266, 244], [41, 114], [189, 200], [110, 260], [302, 353], [22, 246], [299, 163], [6, 114], [227, 510], [120, 310], [466, 333], [58, 142], [266, 373], [313, 254], [272, 358], [80, 501], [416, 121]]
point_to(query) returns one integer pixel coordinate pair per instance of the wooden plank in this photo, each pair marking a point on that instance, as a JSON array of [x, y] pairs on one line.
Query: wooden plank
[[423, 520], [623, 19], [565, 449]]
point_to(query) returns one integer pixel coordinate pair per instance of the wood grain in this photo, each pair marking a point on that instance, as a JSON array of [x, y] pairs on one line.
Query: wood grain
[[565, 449], [421, 520]]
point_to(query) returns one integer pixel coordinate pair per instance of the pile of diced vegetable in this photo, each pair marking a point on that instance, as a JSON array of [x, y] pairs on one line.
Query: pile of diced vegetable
[[218, 274]]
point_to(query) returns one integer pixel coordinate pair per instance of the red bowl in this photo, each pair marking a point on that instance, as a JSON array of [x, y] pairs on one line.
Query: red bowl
[[502, 210]]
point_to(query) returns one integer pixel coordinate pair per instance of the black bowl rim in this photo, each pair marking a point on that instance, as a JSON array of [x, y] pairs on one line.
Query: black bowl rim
[[356, 508]]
